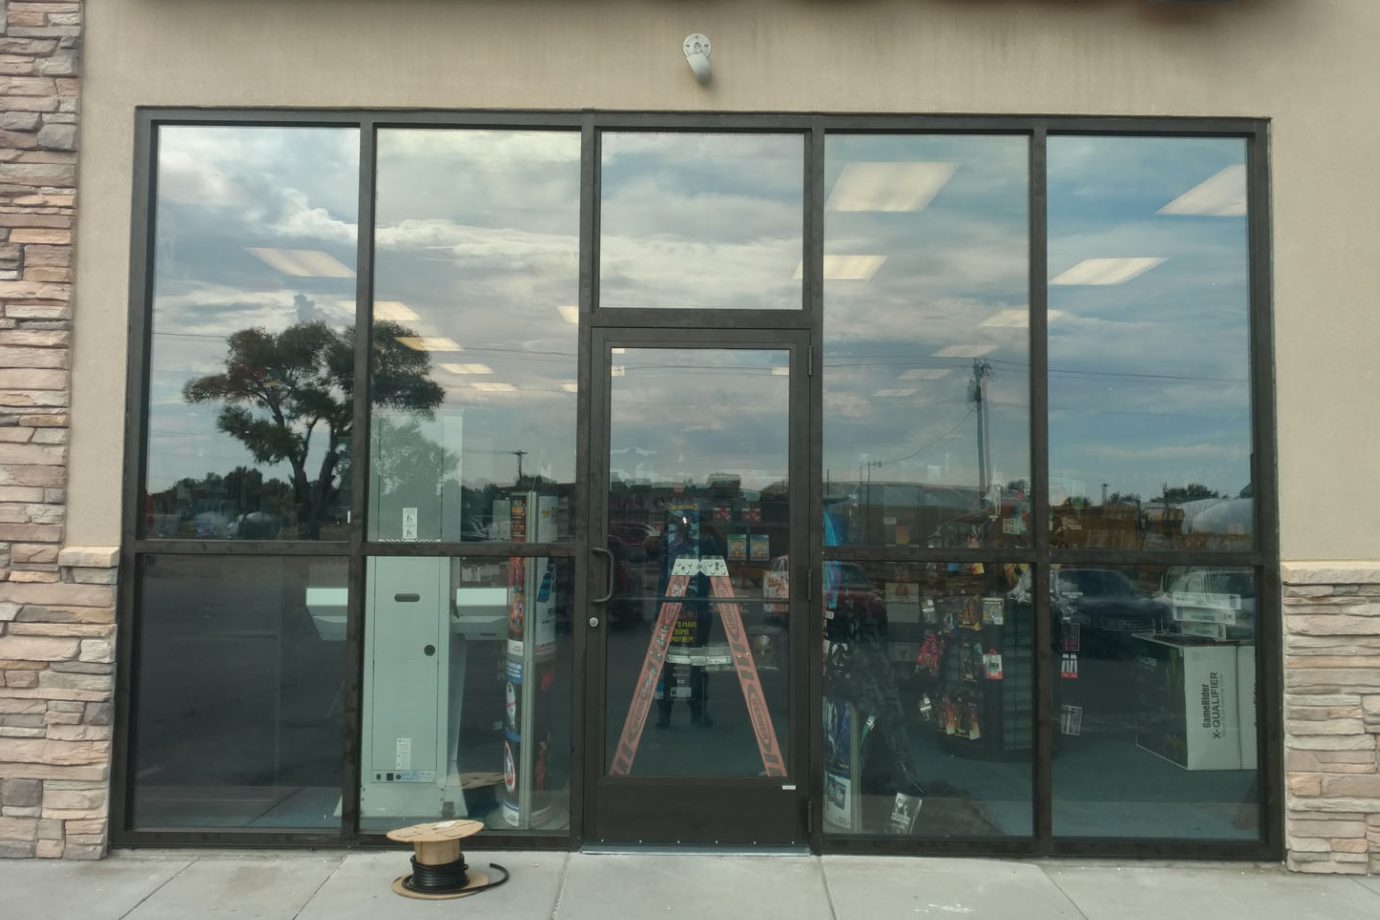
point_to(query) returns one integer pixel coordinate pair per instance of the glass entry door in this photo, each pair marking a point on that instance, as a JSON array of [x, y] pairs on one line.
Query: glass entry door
[[696, 622]]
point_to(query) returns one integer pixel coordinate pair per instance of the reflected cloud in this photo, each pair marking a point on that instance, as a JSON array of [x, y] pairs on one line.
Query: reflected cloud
[[701, 220], [1149, 382]]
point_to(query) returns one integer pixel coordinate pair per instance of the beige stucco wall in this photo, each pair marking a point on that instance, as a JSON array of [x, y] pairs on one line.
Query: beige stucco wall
[[1309, 66]]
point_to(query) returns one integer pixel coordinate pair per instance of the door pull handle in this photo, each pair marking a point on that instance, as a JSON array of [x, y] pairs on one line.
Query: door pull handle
[[608, 593]]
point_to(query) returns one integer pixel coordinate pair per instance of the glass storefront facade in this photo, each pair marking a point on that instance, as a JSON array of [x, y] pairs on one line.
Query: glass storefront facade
[[893, 483]]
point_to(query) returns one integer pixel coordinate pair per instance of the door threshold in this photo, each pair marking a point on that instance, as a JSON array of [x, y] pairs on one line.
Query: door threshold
[[670, 849]]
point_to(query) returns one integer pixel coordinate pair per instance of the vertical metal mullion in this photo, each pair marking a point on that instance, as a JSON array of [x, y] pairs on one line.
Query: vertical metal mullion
[[359, 484], [1039, 457], [596, 685], [813, 271], [583, 722], [143, 215], [1269, 591]]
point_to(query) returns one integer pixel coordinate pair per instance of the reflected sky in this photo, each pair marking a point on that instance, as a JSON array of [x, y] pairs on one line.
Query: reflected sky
[[683, 415], [256, 227], [1149, 353], [701, 220], [477, 253], [926, 292], [926, 295]]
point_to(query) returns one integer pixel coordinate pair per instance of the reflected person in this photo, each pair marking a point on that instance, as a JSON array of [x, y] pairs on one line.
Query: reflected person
[[685, 539]]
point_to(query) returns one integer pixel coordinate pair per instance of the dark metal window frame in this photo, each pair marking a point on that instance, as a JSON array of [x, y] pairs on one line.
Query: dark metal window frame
[[1263, 559]]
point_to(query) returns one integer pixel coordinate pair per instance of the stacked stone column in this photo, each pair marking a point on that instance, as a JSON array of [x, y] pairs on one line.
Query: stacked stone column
[[56, 603], [1332, 716]]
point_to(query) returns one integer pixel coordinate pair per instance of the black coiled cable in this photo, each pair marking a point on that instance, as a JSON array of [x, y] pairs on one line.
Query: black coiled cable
[[442, 879]]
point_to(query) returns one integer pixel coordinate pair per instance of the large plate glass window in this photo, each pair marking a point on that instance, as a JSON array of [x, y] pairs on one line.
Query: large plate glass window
[[239, 705], [1155, 688], [926, 341], [928, 696], [466, 695], [476, 283], [701, 220], [699, 527], [1149, 344], [251, 354]]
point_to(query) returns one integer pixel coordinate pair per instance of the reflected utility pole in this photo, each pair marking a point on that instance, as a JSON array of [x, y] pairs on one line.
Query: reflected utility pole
[[978, 393], [519, 454]]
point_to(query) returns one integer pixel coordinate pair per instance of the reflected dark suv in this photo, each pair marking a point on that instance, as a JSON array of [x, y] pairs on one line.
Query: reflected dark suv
[[1103, 603]]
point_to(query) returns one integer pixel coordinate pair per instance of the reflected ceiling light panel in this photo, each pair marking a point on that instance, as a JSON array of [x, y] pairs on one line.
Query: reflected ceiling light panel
[[1016, 319], [620, 351], [394, 311], [1224, 195], [896, 393], [888, 186], [846, 268], [486, 387], [302, 263], [618, 370], [571, 387], [467, 368], [925, 373], [781, 372], [570, 314], [428, 343], [1106, 271], [965, 351]]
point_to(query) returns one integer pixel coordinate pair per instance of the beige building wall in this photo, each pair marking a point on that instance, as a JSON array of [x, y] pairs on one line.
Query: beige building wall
[[1307, 66]]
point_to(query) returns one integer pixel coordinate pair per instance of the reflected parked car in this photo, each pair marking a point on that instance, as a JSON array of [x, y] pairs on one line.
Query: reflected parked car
[[1212, 603], [256, 525], [1102, 603]]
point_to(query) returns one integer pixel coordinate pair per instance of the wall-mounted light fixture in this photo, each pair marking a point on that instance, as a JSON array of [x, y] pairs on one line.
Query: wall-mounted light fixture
[[696, 47]]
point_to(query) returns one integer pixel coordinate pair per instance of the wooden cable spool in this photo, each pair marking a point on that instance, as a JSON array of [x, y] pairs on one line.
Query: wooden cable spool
[[437, 844]]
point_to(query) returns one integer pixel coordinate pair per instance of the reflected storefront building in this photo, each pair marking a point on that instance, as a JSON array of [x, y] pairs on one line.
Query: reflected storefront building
[[760, 481]]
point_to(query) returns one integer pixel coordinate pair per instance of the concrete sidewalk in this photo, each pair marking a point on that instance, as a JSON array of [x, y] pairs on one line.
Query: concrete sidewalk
[[182, 885]]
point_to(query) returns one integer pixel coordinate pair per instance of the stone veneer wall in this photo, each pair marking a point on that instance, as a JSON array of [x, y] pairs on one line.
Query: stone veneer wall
[[57, 604], [1332, 716]]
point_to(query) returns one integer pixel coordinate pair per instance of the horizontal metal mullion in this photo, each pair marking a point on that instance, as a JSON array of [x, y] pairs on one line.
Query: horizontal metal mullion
[[491, 550], [936, 846], [1166, 848], [212, 117], [925, 124], [625, 317], [746, 122], [147, 547], [527, 121], [223, 837], [924, 554], [766, 122], [1133, 126], [1155, 557]]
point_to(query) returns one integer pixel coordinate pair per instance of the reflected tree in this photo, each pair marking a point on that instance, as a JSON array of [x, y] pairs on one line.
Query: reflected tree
[[1194, 491], [288, 393]]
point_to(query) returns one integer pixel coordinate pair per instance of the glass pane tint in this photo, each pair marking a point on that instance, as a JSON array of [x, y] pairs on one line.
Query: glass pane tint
[[701, 220], [1149, 344], [926, 341], [251, 370], [928, 696], [474, 336]]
